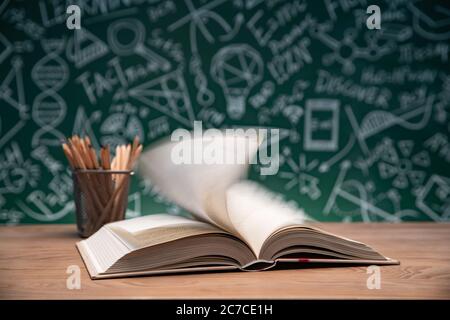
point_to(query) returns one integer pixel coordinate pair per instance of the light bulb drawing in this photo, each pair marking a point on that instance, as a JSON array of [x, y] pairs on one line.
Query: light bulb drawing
[[237, 68]]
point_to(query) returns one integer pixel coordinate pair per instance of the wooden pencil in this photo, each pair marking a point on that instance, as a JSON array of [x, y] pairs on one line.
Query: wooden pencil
[[106, 194]]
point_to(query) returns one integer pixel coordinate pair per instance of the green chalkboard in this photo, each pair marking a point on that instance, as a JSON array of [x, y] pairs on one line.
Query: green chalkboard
[[363, 112]]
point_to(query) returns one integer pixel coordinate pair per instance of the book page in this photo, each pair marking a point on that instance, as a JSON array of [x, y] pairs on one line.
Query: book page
[[199, 187], [158, 228], [256, 213]]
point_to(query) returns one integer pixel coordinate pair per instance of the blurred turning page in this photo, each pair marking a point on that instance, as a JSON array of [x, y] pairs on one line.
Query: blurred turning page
[[197, 186]]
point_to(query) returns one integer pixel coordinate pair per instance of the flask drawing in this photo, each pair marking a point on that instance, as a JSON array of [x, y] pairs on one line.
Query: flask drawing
[[237, 68]]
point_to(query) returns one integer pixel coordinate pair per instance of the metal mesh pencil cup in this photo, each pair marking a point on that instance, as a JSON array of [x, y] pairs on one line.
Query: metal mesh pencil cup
[[101, 196]]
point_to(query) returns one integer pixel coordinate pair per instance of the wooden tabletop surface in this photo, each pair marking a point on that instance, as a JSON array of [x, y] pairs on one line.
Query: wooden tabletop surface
[[34, 260]]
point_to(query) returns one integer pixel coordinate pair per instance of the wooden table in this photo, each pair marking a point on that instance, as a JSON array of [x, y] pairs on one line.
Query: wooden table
[[34, 260]]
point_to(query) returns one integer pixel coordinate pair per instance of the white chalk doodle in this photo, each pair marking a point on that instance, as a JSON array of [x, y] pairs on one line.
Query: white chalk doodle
[[11, 217], [53, 205], [355, 193], [51, 71], [49, 109], [326, 165], [42, 154], [299, 176], [440, 145], [12, 89], [328, 83], [377, 121], [260, 99], [237, 68], [84, 47], [15, 171], [167, 94], [205, 97], [62, 187], [211, 117], [399, 163], [82, 125], [120, 128], [434, 198], [3, 5], [35, 205], [135, 200], [160, 10], [346, 51], [410, 52], [431, 20], [264, 26], [17, 17], [199, 17], [158, 127], [12, 93], [6, 48], [321, 125], [395, 31], [133, 44], [288, 63]]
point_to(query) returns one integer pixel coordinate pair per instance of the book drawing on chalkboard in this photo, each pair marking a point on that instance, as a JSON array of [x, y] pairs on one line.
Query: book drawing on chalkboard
[[236, 224]]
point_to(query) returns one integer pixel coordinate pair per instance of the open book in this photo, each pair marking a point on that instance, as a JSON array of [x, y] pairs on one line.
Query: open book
[[236, 224]]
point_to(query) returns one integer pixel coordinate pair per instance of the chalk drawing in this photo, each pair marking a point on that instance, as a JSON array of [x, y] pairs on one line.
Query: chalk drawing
[[49, 109], [298, 175], [84, 48], [431, 20], [3, 5], [344, 51], [400, 164], [167, 94], [205, 97], [158, 127], [13, 94], [439, 145], [135, 200], [321, 134], [42, 154], [5, 48], [398, 32], [36, 207], [82, 125], [121, 128], [325, 166], [237, 68], [198, 18], [356, 193], [135, 43], [15, 171], [377, 121], [434, 198]]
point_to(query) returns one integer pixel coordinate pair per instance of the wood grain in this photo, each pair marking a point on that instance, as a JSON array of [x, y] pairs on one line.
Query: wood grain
[[34, 260]]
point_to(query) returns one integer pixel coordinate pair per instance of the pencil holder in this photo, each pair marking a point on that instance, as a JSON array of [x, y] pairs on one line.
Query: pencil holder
[[101, 196]]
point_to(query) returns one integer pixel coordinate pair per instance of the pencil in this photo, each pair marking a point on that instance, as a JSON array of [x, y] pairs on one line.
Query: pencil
[[105, 194]]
